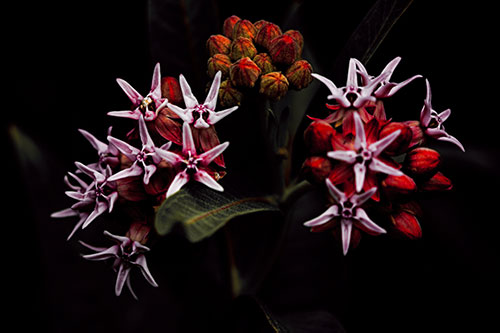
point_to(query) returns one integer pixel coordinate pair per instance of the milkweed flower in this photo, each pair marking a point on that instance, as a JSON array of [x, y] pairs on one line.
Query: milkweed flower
[[108, 153], [347, 212], [200, 115], [148, 106], [190, 165], [127, 254], [432, 122], [144, 160]]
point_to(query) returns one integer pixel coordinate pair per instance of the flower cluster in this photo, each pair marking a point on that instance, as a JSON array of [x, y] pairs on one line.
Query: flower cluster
[[371, 165], [172, 141], [257, 55]]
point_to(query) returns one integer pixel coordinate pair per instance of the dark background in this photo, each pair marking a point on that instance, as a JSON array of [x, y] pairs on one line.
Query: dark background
[[62, 65]]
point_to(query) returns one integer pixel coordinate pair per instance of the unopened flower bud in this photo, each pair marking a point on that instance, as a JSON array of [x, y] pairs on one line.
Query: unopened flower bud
[[259, 24], [273, 85], [171, 90], [399, 184], [284, 50], [318, 137], [297, 36], [218, 44], [438, 182], [242, 47], [244, 28], [299, 74], [229, 95], [422, 161], [316, 169], [138, 232], [131, 189], [228, 25], [218, 62], [266, 34], [244, 73], [407, 224], [417, 133], [265, 63], [402, 141]]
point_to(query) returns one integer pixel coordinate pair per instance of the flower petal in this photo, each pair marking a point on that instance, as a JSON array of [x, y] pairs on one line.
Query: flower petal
[[204, 178], [214, 117], [201, 123], [170, 157], [141, 262], [149, 170], [188, 145], [64, 213], [179, 181], [99, 209], [132, 94], [346, 228], [336, 93], [101, 147], [425, 114], [144, 134], [211, 100], [135, 114], [360, 140], [325, 217], [359, 175], [208, 156], [134, 170], [453, 140], [156, 82], [184, 114], [124, 147], [378, 147], [368, 224], [121, 278], [444, 115], [379, 166], [359, 199], [336, 194], [111, 252], [347, 156], [187, 94]]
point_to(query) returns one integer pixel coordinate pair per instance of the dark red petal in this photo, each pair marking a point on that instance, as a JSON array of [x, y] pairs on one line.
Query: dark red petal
[[438, 182], [205, 139], [131, 189], [168, 128], [406, 224], [341, 173]]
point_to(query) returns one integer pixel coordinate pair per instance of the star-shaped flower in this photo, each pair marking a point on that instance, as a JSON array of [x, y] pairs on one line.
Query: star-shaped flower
[[148, 106], [348, 212], [365, 155], [200, 115], [144, 160], [352, 95], [386, 88], [108, 154], [126, 254], [190, 165], [94, 199], [432, 122]]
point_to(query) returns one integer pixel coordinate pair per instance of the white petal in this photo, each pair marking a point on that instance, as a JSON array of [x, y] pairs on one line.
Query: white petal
[[378, 147], [359, 175], [336, 194], [325, 217], [132, 94], [179, 181], [208, 156], [189, 98], [347, 156], [360, 140], [363, 218], [214, 117], [188, 145], [359, 199], [346, 228], [204, 178], [379, 166], [144, 134], [211, 100], [134, 170]]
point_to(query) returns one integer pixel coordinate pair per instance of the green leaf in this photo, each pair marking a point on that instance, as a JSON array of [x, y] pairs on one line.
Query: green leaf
[[201, 211]]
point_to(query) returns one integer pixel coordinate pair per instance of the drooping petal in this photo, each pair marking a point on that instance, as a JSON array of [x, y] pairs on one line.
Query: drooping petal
[[134, 170], [132, 94], [179, 181], [187, 94], [336, 93], [128, 150], [379, 166], [425, 114], [188, 145], [101, 147], [99, 209], [135, 114], [367, 224], [83, 218], [453, 140], [129, 286], [325, 217], [359, 176], [211, 100], [111, 200], [360, 139], [346, 229], [64, 213], [207, 157], [214, 117], [149, 170], [108, 253], [207, 180], [378, 147], [117, 238], [75, 195], [348, 156], [141, 262], [336, 194], [121, 278]]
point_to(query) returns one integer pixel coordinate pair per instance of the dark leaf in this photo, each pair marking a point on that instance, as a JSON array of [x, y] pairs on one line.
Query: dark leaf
[[201, 211]]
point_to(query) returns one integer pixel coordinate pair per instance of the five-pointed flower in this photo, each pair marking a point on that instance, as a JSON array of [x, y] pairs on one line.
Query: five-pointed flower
[[108, 154], [200, 115], [352, 95], [432, 122], [94, 199], [190, 165], [366, 155], [347, 209], [148, 106], [126, 254], [386, 88], [144, 160]]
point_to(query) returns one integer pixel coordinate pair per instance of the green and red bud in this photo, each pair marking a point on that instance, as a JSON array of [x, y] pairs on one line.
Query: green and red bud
[[228, 25], [242, 47], [229, 95], [299, 74], [244, 73], [218, 62], [244, 28], [284, 50], [273, 85], [297, 36], [265, 63], [266, 34], [218, 44]]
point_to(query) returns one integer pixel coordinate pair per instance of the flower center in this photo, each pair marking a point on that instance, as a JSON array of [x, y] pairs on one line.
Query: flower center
[[364, 156], [191, 164], [436, 121], [347, 209], [200, 111], [141, 156], [147, 104]]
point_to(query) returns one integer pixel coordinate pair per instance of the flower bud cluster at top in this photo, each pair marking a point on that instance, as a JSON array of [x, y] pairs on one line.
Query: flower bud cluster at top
[[257, 55], [375, 166]]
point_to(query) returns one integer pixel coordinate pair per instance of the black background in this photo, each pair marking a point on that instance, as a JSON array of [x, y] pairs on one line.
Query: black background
[[63, 59]]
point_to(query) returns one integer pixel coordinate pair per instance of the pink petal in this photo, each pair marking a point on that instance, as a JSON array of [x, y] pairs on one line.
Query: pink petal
[[211, 100], [336, 194], [453, 140], [378, 147], [204, 178], [149, 170], [132, 94], [201, 123], [156, 82], [352, 78], [347, 156], [359, 199], [425, 114], [141, 261], [118, 239], [123, 273], [208, 156], [188, 145], [346, 228], [129, 286], [185, 115], [363, 218], [325, 217], [189, 98], [214, 117], [179, 181], [360, 140], [379, 166], [135, 114], [336, 93], [64, 213], [99, 209], [144, 134], [134, 170], [83, 217], [170, 157], [111, 252], [444, 115], [359, 175], [128, 150], [101, 147], [111, 200]]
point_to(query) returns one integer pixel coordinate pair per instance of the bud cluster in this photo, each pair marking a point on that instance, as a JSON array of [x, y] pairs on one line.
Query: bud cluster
[[257, 55], [356, 150]]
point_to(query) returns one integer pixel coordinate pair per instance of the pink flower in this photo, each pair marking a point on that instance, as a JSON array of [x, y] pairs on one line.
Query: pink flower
[[148, 106], [126, 254], [365, 155], [432, 122], [347, 210], [200, 115], [190, 165], [145, 160], [94, 199], [108, 154]]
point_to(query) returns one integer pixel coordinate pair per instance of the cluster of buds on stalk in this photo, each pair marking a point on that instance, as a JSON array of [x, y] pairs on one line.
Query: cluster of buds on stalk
[[172, 141], [373, 168], [257, 55]]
